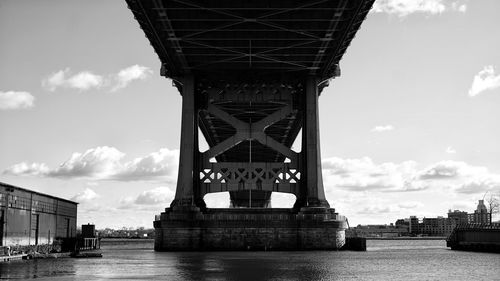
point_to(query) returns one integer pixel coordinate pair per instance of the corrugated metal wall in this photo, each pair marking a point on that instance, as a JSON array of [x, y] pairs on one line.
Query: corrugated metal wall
[[29, 218]]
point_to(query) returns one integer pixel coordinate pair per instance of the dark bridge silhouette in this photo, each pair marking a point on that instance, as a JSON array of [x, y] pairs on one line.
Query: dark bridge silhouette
[[250, 74]]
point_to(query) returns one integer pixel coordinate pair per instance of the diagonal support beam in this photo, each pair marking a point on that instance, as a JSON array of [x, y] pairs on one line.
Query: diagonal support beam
[[223, 146], [273, 118], [233, 121], [270, 142], [245, 131]]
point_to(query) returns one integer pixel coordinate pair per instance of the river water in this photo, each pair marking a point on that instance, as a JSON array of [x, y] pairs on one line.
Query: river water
[[384, 260]]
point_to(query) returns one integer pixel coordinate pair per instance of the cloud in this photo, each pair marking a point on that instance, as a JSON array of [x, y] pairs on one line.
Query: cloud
[[129, 74], [410, 205], [148, 200], [87, 80], [100, 163], [155, 165], [452, 170], [461, 177], [16, 100], [84, 80], [86, 196], [106, 163], [25, 169], [479, 186], [457, 6], [363, 174], [403, 8], [450, 150], [384, 128], [159, 195], [485, 80]]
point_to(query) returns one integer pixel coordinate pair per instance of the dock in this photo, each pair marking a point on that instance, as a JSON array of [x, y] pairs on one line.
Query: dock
[[475, 237]]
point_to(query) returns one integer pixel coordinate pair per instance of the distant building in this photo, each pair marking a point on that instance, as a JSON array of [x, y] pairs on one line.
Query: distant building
[[480, 215], [459, 217], [441, 226], [382, 231], [31, 218], [414, 225], [437, 226]]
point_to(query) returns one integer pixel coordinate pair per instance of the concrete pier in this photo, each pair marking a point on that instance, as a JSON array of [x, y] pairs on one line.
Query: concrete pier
[[181, 229]]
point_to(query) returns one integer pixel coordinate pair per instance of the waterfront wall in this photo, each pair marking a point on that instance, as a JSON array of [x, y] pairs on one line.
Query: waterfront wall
[[248, 229], [475, 237]]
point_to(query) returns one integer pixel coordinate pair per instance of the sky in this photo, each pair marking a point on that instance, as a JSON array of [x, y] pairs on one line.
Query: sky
[[412, 126]]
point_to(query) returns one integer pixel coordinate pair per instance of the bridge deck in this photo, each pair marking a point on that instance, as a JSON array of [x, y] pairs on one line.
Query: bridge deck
[[238, 36]]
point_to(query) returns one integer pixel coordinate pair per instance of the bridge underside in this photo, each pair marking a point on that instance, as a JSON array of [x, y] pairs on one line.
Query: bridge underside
[[250, 74]]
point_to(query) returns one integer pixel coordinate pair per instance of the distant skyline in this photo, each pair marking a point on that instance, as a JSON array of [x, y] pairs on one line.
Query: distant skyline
[[411, 127]]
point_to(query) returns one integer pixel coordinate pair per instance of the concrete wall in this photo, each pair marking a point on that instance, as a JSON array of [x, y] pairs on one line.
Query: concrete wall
[[248, 229], [31, 218], [480, 236], [249, 238]]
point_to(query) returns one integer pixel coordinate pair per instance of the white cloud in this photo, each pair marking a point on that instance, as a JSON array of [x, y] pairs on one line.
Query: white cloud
[[410, 205], [370, 210], [152, 200], [452, 170], [383, 128], [84, 80], [459, 7], [100, 163], [461, 177], [160, 195], [25, 169], [86, 196], [480, 186], [16, 100], [485, 80], [155, 165], [450, 150], [129, 74], [403, 8], [363, 174], [106, 163]]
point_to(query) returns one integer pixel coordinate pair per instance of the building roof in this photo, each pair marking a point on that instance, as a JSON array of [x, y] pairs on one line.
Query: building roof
[[35, 192], [236, 37]]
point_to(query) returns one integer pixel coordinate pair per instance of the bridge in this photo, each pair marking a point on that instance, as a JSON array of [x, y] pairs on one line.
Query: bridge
[[250, 74]]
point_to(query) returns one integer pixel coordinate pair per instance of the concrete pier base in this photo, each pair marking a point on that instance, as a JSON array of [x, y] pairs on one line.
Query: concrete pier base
[[190, 229]]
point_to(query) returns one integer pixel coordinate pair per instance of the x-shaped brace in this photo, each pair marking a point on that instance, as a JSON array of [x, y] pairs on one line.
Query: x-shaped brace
[[246, 131]]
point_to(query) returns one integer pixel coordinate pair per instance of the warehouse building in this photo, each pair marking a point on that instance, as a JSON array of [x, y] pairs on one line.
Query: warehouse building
[[32, 218]]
